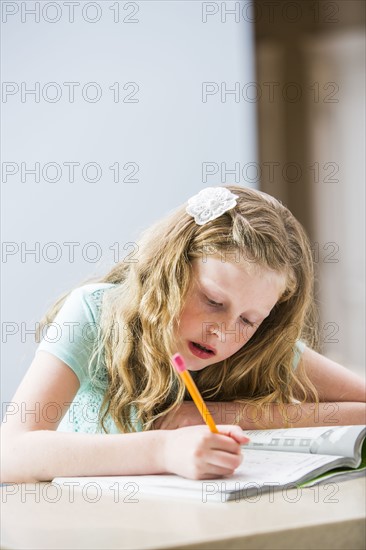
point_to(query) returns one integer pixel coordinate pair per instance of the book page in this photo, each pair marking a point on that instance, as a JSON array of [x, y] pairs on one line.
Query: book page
[[268, 468], [259, 469], [335, 440]]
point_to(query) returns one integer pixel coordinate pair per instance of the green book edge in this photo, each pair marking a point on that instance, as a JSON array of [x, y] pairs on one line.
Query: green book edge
[[342, 469]]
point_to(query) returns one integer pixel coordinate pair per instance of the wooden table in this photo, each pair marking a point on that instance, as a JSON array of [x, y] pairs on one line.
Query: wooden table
[[42, 516]]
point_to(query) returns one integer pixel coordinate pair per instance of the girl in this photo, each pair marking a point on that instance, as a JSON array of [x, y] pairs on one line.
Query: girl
[[227, 281]]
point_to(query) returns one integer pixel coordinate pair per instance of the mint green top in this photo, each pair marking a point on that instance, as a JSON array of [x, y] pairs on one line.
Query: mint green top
[[71, 337]]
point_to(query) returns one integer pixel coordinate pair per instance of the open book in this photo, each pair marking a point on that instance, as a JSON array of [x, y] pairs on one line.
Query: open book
[[272, 460]]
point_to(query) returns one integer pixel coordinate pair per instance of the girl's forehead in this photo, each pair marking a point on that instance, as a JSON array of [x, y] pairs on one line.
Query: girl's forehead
[[216, 265], [225, 273]]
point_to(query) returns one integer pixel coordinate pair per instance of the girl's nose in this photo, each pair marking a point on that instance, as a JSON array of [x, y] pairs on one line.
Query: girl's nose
[[226, 329], [212, 328]]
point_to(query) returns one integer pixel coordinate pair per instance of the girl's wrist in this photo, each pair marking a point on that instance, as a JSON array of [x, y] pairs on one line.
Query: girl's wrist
[[162, 450]]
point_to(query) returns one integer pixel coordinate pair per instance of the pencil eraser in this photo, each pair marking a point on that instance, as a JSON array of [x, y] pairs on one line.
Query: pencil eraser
[[178, 362]]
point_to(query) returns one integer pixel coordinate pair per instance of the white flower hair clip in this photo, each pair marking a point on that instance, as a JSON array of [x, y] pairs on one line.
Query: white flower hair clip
[[210, 203]]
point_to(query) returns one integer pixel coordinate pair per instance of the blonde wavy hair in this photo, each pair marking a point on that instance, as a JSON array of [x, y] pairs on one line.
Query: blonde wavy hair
[[140, 314]]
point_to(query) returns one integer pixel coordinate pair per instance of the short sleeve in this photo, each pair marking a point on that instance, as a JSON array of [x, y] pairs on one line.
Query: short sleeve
[[298, 351], [74, 332]]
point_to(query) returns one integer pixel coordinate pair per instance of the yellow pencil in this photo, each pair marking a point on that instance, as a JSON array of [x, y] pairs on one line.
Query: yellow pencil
[[180, 366]]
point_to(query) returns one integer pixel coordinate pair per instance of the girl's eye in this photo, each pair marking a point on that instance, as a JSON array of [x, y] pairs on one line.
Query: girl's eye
[[247, 322], [212, 302], [217, 304]]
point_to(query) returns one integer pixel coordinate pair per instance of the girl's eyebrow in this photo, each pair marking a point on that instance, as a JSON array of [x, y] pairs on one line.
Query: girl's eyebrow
[[225, 297]]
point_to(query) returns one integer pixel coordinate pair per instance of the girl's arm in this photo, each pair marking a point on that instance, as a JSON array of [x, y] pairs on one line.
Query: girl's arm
[[333, 382], [342, 396], [271, 416], [32, 450]]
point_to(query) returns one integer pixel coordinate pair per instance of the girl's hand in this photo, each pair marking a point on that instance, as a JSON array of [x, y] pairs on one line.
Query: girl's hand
[[182, 416], [197, 453]]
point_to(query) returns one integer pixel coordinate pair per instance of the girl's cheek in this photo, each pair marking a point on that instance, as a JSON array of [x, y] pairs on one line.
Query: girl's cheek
[[247, 333], [250, 332]]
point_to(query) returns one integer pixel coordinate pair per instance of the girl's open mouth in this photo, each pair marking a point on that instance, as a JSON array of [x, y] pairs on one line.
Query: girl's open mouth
[[199, 350]]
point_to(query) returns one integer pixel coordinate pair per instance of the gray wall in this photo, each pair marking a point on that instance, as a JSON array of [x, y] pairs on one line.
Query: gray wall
[[162, 129]]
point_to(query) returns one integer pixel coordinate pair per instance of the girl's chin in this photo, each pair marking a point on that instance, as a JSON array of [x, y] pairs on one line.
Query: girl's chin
[[192, 368], [198, 365]]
